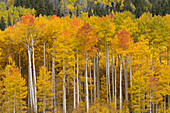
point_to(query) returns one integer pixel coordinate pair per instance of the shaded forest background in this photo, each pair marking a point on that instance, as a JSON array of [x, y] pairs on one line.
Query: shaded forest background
[[96, 7]]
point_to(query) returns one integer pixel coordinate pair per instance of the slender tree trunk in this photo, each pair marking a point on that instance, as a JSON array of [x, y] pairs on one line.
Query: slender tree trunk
[[168, 63], [44, 55], [77, 79], [115, 82], [98, 77], [19, 61], [126, 79], [94, 79], [14, 106], [113, 94], [87, 93], [44, 99], [49, 62], [20, 71], [34, 76], [108, 71], [53, 78], [151, 86], [74, 93], [68, 89], [64, 87], [30, 82], [130, 68], [121, 63], [90, 80]]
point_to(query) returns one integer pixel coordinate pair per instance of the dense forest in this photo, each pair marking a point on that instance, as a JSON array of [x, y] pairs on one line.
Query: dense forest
[[95, 56], [76, 7]]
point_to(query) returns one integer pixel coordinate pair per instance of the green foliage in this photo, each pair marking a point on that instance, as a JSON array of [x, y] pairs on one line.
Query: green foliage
[[43, 7]]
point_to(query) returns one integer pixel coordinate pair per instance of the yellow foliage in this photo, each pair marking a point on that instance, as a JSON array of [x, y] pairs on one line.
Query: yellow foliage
[[44, 89]]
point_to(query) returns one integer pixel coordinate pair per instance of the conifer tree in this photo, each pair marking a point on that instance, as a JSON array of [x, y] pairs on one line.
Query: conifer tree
[[14, 90], [44, 88]]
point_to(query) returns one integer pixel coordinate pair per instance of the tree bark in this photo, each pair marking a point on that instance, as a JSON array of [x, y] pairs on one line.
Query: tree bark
[[130, 68], [34, 76], [108, 71], [121, 63], [90, 80], [168, 63], [126, 79], [87, 93], [98, 77], [74, 93], [112, 80], [64, 87], [19, 61], [77, 79], [94, 79], [49, 62], [53, 78], [44, 55], [30, 82]]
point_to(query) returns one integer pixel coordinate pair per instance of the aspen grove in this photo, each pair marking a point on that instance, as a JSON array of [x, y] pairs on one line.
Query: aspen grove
[[109, 64]]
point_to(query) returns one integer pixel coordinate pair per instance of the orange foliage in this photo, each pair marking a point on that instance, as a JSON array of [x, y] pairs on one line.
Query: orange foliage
[[53, 17], [28, 19], [124, 38]]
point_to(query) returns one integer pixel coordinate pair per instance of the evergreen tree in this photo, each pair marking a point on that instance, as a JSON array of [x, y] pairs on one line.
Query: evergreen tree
[[127, 5], [2, 24], [41, 7], [139, 4], [44, 86], [14, 91]]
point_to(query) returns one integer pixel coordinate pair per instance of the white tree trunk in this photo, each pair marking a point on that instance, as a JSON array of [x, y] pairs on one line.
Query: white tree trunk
[[53, 78], [90, 79], [49, 62], [126, 79], [112, 80], [130, 68], [121, 83], [64, 87], [74, 93], [108, 71], [94, 80], [87, 93], [19, 61], [44, 56], [34, 76], [77, 80], [98, 77], [31, 91]]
